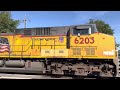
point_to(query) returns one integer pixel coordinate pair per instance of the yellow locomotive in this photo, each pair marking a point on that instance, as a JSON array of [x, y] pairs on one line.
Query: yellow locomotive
[[74, 50]]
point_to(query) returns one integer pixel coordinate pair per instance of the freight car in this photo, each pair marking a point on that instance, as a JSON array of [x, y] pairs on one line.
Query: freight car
[[66, 50]]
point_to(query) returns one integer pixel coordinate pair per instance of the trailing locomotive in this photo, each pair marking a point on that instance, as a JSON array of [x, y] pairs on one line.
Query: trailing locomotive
[[68, 50]]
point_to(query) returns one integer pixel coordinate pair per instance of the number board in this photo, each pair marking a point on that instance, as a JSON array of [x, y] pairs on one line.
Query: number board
[[86, 40]]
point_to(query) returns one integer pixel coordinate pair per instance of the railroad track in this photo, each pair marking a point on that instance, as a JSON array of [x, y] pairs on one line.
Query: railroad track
[[16, 73], [26, 76]]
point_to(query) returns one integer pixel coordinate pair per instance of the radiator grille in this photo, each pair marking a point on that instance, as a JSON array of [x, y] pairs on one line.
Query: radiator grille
[[46, 51], [61, 51], [90, 51], [76, 51]]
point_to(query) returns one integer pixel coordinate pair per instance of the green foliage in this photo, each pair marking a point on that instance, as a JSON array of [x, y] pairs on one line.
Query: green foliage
[[102, 26], [7, 24], [117, 45]]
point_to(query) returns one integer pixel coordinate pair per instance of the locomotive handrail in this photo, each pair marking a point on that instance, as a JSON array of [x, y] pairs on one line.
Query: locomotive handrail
[[35, 45], [20, 45], [29, 47], [24, 50]]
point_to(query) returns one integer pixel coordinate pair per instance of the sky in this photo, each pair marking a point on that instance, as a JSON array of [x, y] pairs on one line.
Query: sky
[[63, 18]]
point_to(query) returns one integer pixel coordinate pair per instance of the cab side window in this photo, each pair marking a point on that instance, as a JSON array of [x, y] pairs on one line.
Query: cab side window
[[81, 31]]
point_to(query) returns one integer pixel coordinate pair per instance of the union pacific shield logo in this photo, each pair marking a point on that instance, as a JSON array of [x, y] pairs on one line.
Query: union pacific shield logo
[[61, 39]]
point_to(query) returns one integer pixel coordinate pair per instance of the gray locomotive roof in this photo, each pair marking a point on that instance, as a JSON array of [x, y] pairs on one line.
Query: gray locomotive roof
[[82, 26], [58, 29]]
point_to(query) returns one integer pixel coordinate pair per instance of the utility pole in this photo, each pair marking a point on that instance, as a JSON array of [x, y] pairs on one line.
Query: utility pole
[[25, 21]]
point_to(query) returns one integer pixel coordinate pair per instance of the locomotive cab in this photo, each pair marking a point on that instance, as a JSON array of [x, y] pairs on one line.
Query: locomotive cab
[[84, 29]]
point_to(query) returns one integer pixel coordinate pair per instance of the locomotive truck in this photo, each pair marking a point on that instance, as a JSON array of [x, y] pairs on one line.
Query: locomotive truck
[[66, 50]]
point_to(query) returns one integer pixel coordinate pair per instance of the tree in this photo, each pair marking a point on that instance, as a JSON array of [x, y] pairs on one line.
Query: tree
[[7, 24], [102, 26], [117, 45]]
